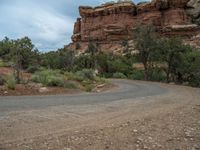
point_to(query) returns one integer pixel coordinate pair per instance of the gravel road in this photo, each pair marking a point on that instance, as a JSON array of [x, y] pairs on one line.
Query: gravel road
[[135, 115], [126, 89]]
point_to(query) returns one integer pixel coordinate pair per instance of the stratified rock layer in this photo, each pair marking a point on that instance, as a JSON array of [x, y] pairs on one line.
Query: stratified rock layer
[[113, 22]]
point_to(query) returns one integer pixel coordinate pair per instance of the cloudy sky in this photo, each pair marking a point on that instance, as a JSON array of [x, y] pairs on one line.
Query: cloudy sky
[[49, 23]]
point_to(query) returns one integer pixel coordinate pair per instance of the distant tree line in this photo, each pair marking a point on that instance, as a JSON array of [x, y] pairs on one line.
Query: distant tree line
[[164, 59]]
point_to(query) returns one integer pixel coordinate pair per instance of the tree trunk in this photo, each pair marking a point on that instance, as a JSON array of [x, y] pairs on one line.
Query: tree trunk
[[145, 72], [168, 76]]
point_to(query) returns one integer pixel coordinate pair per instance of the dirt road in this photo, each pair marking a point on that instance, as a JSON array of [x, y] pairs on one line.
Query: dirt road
[[136, 115]]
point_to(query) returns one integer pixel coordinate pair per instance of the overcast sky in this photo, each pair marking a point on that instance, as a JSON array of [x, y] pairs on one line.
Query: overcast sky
[[49, 23]]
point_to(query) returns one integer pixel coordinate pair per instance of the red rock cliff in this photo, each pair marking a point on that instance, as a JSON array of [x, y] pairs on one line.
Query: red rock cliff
[[115, 21]]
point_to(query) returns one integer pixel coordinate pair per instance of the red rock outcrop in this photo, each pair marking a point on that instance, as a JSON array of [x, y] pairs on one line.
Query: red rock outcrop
[[113, 22]]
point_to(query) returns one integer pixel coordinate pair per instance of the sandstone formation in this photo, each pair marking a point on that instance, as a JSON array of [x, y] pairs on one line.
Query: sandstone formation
[[113, 22], [194, 10]]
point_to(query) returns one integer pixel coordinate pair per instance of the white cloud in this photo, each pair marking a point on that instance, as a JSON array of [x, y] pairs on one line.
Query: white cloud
[[49, 23], [46, 27]]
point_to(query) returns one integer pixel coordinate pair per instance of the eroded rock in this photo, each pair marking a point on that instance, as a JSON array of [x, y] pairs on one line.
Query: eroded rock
[[194, 10], [113, 22]]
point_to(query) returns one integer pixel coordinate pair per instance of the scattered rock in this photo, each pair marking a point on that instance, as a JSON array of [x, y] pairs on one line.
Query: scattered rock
[[43, 90], [5, 92], [135, 131]]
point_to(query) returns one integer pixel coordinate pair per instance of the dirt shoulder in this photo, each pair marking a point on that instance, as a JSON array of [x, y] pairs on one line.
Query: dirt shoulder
[[37, 89], [168, 121]]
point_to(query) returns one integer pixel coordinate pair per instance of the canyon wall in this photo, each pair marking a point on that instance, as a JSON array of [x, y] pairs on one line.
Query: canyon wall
[[113, 22]]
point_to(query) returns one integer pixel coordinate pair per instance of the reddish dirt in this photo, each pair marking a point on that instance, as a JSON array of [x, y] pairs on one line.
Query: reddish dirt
[[22, 89], [6, 70]]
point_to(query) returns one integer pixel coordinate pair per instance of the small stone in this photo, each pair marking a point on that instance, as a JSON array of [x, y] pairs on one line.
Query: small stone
[[135, 131], [107, 147], [145, 147], [43, 90], [154, 146], [6, 92], [150, 138], [137, 142], [67, 148]]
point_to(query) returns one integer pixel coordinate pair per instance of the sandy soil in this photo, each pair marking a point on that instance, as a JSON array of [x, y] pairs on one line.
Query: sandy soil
[[169, 121]]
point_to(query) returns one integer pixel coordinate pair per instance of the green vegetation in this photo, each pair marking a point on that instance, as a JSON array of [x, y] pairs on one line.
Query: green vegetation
[[71, 85], [119, 75], [145, 38], [163, 60], [48, 78], [85, 78], [10, 82], [137, 75], [2, 80]]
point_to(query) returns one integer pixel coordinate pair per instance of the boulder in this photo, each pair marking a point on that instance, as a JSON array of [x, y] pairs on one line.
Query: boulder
[[194, 10]]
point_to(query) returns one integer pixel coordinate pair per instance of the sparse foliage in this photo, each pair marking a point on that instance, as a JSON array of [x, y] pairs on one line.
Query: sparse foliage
[[146, 41]]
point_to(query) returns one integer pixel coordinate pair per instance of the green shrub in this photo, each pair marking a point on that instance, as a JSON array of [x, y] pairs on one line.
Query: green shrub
[[137, 75], [100, 79], [85, 74], [2, 63], [10, 82], [71, 85], [32, 69], [2, 80], [89, 88], [48, 78], [55, 81], [88, 85], [157, 75], [195, 82], [118, 65], [68, 75], [119, 75]]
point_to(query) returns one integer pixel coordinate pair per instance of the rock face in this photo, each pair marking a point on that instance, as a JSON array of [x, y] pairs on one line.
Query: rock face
[[194, 10], [112, 22]]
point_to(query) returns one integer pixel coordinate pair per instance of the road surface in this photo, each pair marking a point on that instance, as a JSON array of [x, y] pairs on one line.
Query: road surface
[[126, 90], [135, 115]]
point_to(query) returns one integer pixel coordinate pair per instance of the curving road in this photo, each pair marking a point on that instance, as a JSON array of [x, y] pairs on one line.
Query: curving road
[[127, 89]]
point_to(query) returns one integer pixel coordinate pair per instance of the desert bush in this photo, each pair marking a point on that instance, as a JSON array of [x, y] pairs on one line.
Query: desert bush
[[119, 75], [55, 81], [85, 74], [157, 75], [32, 69], [88, 85], [119, 65], [2, 80], [48, 78], [71, 85], [2, 63], [68, 75], [137, 75], [89, 88], [195, 82], [10, 82]]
